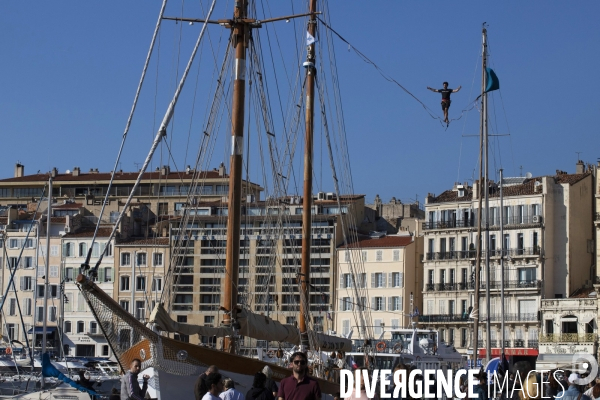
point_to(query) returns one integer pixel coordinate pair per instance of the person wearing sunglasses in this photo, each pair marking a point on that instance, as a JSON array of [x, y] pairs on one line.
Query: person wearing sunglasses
[[299, 386]]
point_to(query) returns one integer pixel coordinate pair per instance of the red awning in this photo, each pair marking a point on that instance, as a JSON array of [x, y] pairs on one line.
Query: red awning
[[521, 351]]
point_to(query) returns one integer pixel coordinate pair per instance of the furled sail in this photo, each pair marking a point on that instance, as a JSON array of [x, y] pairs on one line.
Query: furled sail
[[163, 321], [264, 328]]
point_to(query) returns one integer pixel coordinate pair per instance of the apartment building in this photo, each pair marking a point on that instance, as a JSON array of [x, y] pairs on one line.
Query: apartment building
[[83, 336], [161, 192], [140, 267], [546, 240], [270, 255], [381, 274]]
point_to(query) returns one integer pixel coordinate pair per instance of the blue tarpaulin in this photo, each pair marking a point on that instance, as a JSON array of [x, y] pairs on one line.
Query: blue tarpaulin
[[492, 82], [49, 370]]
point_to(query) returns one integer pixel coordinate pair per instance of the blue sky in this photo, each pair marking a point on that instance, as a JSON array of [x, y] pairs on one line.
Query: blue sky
[[70, 69]]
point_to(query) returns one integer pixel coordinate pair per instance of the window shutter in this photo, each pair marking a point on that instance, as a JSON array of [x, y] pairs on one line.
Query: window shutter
[[390, 305], [401, 304], [390, 280], [373, 305], [341, 300], [401, 274], [22, 283], [383, 284], [342, 281], [383, 304], [373, 282], [352, 303], [101, 274]]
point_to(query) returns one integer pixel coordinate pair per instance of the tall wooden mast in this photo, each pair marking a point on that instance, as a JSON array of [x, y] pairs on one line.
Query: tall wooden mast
[[308, 174], [240, 36], [483, 186]]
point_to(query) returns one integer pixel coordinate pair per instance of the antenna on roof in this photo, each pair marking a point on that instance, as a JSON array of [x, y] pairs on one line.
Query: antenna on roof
[[578, 153]]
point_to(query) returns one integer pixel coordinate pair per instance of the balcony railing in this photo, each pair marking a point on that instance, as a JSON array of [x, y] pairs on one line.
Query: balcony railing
[[469, 223], [494, 285], [466, 254], [567, 337], [459, 223], [442, 318]]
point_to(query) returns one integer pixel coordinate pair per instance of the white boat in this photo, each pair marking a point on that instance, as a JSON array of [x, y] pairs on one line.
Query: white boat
[[420, 348]]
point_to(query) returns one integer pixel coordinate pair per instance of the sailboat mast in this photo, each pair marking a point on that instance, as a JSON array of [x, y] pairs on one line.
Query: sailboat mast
[[240, 36], [482, 187], [486, 187], [47, 274], [308, 174]]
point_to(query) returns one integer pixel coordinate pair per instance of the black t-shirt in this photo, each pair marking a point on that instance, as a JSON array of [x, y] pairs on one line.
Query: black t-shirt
[[445, 93]]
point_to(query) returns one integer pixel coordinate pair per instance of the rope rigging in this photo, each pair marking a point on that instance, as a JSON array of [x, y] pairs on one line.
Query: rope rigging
[[388, 78]]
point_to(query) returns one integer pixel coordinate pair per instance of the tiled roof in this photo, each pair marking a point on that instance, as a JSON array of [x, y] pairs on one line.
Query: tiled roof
[[523, 189], [386, 241], [571, 179], [87, 232], [160, 241], [58, 219], [582, 293], [119, 176]]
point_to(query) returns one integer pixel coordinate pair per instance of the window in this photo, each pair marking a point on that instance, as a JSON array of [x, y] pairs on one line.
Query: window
[[377, 328], [463, 337], [96, 250], [346, 304], [141, 259], [378, 280], [527, 275], [124, 283], [27, 262], [81, 305], [396, 255], [68, 302], [39, 315], [451, 307], [26, 283], [105, 274], [140, 309], [69, 249], [442, 276], [41, 271], [395, 323], [54, 271], [492, 245], [346, 281], [140, 283], [125, 259], [290, 320], [345, 327], [430, 275], [397, 279], [52, 316], [80, 327], [12, 331], [12, 309], [452, 276], [379, 303], [379, 255], [430, 306], [54, 250], [82, 249], [12, 263], [463, 275], [67, 326], [105, 350], [156, 284], [395, 303], [463, 308], [69, 274], [431, 246], [364, 256], [520, 244], [124, 305], [28, 306], [362, 280], [53, 291], [40, 291], [347, 256], [157, 259], [450, 336]]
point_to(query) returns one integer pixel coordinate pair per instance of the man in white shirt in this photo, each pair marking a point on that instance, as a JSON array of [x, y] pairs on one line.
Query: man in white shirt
[[215, 384], [230, 392]]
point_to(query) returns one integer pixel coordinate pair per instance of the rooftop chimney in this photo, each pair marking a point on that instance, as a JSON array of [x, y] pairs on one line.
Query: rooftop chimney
[[222, 170], [579, 167], [19, 170], [76, 171], [54, 172], [165, 170]]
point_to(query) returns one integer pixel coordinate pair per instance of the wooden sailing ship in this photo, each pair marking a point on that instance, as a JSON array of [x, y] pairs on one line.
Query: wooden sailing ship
[[174, 364]]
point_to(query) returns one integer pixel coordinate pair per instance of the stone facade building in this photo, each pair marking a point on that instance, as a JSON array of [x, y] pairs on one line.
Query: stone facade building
[[547, 236]]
